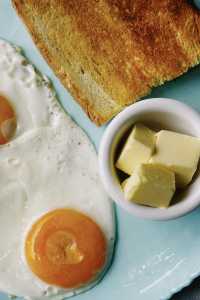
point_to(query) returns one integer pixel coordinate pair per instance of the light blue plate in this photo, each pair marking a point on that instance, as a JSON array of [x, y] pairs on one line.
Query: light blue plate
[[153, 259]]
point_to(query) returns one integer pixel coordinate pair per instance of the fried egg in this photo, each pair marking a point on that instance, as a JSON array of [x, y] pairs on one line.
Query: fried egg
[[57, 225]]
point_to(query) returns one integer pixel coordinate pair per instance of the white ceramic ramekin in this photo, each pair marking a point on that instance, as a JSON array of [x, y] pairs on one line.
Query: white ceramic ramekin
[[157, 113]]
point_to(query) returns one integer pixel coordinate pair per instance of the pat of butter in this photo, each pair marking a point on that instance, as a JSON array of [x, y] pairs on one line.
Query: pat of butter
[[137, 149], [179, 152], [150, 185]]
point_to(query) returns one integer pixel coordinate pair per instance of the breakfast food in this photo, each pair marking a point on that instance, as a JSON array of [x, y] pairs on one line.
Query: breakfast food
[[57, 251], [137, 149], [158, 163], [110, 53], [7, 121], [178, 152], [150, 185], [56, 222]]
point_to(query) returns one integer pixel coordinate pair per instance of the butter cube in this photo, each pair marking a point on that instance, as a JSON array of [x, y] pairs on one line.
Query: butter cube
[[178, 152], [150, 185], [123, 184], [137, 149]]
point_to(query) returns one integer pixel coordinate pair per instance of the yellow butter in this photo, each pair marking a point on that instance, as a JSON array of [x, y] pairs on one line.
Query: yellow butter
[[150, 185], [179, 152], [137, 149]]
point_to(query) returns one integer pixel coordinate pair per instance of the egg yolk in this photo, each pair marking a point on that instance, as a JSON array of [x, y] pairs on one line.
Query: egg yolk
[[65, 248], [7, 121]]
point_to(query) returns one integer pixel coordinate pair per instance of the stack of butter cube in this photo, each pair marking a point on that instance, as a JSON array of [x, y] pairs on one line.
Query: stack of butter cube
[[157, 163]]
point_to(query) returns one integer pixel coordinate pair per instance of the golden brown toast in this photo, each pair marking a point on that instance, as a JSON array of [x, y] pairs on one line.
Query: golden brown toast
[[109, 53]]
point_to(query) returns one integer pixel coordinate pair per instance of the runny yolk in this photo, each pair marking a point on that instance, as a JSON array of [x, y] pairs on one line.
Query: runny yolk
[[65, 248], [7, 121]]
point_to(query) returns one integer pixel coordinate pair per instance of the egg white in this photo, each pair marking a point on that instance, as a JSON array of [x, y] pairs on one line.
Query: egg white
[[49, 164]]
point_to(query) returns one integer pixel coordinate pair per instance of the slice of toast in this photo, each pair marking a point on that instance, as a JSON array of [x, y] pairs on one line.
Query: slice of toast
[[109, 53]]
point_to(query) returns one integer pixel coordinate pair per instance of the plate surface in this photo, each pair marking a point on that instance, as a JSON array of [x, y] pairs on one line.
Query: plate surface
[[153, 259]]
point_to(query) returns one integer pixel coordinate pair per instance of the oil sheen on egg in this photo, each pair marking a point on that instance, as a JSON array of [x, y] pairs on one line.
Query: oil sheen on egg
[[56, 222]]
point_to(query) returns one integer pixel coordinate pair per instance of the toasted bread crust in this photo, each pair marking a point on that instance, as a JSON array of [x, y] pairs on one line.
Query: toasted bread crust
[[109, 53]]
